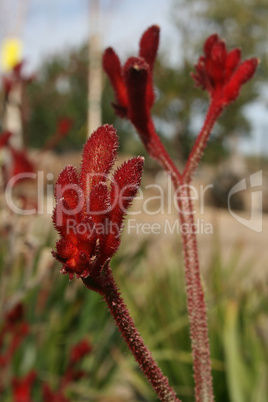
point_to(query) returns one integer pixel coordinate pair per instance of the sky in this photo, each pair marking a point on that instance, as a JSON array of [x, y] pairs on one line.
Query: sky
[[47, 27], [53, 25]]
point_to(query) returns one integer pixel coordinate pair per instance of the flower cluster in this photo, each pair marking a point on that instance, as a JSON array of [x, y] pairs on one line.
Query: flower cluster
[[15, 77], [89, 214], [133, 85], [19, 160], [72, 373], [64, 126], [12, 334], [22, 387], [14, 330], [222, 73], [79, 351], [137, 70]]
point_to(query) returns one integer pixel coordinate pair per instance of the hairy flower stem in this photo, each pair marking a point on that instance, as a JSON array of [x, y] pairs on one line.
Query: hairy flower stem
[[195, 301], [195, 293], [197, 151], [156, 149], [135, 342]]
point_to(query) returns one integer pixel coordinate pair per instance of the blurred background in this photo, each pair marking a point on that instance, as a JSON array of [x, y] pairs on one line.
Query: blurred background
[[53, 94]]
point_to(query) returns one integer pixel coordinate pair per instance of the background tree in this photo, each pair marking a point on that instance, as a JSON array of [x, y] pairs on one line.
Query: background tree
[[61, 85], [61, 90]]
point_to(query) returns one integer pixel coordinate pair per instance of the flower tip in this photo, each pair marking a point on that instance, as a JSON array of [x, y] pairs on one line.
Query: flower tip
[[136, 64], [154, 28], [140, 161], [211, 40], [108, 51], [111, 62], [149, 45]]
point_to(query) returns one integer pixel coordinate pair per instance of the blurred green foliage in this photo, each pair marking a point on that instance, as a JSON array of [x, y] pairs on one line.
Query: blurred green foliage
[[61, 313]]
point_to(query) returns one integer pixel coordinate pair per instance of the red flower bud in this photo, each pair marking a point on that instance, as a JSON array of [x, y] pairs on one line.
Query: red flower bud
[[22, 387], [4, 138], [64, 126], [112, 67], [220, 72], [244, 73], [136, 73], [149, 45], [120, 82], [79, 351], [88, 215]]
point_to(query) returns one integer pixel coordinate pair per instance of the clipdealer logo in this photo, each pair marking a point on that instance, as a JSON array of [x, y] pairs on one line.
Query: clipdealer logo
[[255, 183]]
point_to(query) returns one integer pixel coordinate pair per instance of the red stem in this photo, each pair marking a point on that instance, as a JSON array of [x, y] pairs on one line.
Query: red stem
[[135, 342], [195, 300], [157, 150], [197, 151], [195, 293]]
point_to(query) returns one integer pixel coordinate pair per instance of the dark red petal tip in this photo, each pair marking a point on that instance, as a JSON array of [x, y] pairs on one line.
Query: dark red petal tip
[[110, 61], [112, 67], [136, 63], [244, 73], [149, 45], [99, 155], [211, 40]]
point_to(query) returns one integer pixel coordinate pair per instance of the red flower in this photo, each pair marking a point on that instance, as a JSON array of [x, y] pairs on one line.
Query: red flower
[[88, 214], [16, 76], [22, 388], [71, 373], [221, 73], [52, 396], [79, 351], [15, 315], [134, 82], [133, 86], [4, 138], [20, 163], [64, 126], [15, 329]]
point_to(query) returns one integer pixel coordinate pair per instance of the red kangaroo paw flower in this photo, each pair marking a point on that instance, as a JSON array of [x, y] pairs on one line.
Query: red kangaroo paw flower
[[20, 164], [124, 187], [135, 81], [88, 215], [4, 138], [16, 314], [99, 155], [220, 72], [112, 67], [64, 125], [147, 53], [243, 73], [15, 76], [52, 396], [79, 351], [22, 387], [136, 72], [71, 374], [149, 45]]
